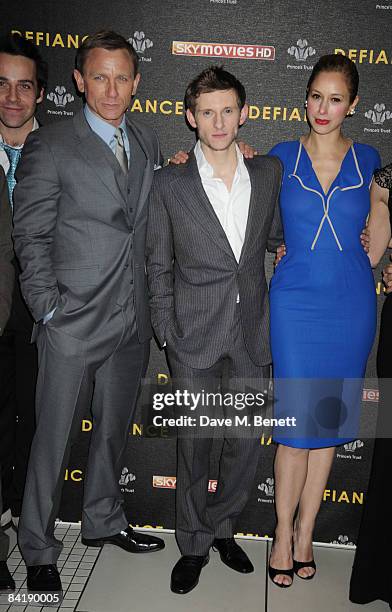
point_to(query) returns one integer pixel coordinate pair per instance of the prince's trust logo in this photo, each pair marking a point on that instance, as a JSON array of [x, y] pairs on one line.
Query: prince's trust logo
[[267, 490], [301, 52], [342, 540], [378, 115], [352, 450], [141, 44], [125, 481], [60, 98]]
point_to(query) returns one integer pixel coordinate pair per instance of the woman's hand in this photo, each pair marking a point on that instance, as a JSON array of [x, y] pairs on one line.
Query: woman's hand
[[247, 150], [181, 157], [280, 253]]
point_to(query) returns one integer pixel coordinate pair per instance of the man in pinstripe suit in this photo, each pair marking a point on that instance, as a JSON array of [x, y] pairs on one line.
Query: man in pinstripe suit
[[210, 222]]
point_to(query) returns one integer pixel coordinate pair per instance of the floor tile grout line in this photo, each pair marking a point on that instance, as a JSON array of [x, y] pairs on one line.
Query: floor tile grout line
[[88, 578], [266, 578]]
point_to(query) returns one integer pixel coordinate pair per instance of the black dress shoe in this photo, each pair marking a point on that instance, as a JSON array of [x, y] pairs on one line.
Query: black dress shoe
[[186, 573], [129, 540], [43, 578], [6, 581], [233, 555]]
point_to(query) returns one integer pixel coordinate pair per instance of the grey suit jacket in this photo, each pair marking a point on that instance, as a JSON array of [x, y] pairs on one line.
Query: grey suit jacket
[[193, 276], [6, 254], [81, 250]]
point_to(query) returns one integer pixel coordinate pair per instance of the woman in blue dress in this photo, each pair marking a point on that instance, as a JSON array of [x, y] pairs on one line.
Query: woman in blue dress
[[323, 308]]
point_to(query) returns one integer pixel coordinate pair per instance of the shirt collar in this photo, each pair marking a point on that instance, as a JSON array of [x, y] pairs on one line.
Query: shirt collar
[[102, 128], [205, 168], [35, 127]]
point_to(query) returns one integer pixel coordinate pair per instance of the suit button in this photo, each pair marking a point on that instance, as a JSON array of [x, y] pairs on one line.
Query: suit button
[[131, 210], [128, 191]]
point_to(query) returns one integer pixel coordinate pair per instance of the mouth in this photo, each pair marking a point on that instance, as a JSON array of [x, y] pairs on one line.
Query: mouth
[[322, 121]]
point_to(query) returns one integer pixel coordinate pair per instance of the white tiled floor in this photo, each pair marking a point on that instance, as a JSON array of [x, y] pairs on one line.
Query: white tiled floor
[[112, 580]]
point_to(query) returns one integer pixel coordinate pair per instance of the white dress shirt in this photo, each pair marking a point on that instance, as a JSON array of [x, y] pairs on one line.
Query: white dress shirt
[[3, 155], [231, 207]]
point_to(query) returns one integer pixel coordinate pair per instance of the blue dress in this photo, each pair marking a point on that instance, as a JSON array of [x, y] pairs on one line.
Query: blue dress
[[323, 299]]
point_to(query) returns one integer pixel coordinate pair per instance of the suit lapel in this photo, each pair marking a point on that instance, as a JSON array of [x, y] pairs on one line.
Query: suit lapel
[[148, 171], [255, 221], [189, 190], [99, 157]]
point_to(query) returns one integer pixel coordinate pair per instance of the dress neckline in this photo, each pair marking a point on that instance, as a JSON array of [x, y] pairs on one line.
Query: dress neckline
[[309, 159]]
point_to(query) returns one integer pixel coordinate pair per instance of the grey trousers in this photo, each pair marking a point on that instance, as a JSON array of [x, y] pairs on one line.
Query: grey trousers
[[103, 374], [201, 516]]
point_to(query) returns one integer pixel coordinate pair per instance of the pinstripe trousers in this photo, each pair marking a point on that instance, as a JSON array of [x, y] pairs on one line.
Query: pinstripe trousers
[[200, 516]]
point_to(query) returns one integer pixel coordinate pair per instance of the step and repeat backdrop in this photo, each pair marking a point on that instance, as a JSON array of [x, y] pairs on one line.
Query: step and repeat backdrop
[[271, 46]]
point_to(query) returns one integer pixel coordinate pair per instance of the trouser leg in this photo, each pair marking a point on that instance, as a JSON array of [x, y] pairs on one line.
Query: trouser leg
[[64, 390], [117, 384], [26, 380]]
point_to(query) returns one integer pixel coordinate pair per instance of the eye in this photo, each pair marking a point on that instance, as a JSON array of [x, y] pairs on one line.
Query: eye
[[123, 78], [25, 86], [207, 113], [228, 111], [315, 96], [3, 83], [336, 100], [98, 77]]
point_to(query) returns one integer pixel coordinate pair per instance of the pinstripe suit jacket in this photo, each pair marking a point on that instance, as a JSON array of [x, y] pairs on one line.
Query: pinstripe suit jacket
[[193, 276]]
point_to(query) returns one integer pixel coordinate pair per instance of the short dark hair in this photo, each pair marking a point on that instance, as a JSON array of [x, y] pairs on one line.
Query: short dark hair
[[214, 78], [15, 44], [337, 63], [104, 39]]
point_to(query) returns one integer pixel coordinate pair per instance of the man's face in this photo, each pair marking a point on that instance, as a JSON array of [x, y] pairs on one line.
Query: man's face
[[108, 83], [19, 92], [217, 118]]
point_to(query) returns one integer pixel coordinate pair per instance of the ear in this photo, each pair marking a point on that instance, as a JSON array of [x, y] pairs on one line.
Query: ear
[[353, 104], [191, 118], [40, 96], [136, 82], [244, 114], [79, 80]]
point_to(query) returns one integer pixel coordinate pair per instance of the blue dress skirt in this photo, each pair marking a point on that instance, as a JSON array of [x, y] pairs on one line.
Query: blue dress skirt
[[323, 300]]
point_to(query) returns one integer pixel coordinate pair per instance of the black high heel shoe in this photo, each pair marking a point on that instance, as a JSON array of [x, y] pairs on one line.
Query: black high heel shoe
[[272, 573], [298, 565]]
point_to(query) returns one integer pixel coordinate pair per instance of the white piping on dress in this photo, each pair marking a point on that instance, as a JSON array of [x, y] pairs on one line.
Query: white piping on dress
[[322, 196]]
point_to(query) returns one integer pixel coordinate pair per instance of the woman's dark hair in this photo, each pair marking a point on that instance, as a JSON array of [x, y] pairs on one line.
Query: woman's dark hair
[[337, 63], [214, 78], [105, 39], [14, 44]]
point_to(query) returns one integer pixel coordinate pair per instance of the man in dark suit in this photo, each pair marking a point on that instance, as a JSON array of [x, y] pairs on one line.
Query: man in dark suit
[[23, 78], [79, 229], [6, 287], [210, 222]]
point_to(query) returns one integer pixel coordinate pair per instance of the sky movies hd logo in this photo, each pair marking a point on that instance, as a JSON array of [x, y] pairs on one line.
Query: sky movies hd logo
[[227, 50]]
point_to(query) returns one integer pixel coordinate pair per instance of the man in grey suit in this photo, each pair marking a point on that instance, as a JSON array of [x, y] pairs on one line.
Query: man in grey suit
[[210, 222], [80, 221], [6, 289]]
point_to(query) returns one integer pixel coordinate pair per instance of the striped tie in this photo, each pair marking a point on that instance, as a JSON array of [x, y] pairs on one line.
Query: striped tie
[[13, 157], [120, 152]]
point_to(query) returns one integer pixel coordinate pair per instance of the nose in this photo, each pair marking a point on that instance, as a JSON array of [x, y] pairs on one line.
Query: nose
[[111, 90], [323, 108], [12, 92], [219, 121]]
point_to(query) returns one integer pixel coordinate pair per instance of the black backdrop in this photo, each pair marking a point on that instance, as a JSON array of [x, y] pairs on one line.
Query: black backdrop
[[271, 45]]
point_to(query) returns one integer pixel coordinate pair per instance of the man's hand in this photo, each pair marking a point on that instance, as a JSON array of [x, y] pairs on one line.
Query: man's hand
[[179, 158], [281, 252], [387, 277], [365, 239], [247, 150]]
